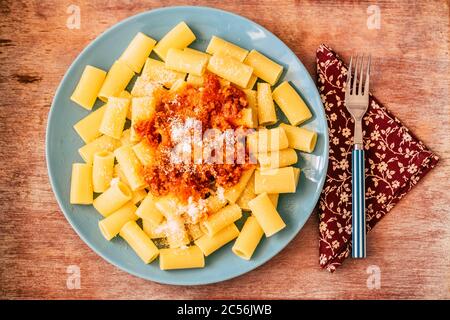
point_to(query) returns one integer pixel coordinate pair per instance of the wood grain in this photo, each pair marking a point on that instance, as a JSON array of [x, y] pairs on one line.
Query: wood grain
[[411, 76]]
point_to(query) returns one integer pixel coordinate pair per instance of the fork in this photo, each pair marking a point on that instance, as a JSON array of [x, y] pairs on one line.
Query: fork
[[357, 102]]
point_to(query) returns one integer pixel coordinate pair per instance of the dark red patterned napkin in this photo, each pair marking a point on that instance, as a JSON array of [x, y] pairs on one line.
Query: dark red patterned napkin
[[395, 161]]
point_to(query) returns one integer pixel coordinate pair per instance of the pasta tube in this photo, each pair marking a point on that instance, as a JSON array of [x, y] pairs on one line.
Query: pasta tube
[[248, 239], [233, 193], [88, 128], [131, 167], [102, 170], [103, 143], [291, 104], [219, 46], [266, 107], [142, 108], [148, 211], [263, 67], [88, 87], [115, 116], [281, 180], [194, 80], [156, 70], [197, 52], [144, 153], [252, 103], [266, 214], [112, 199], [186, 61], [210, 244], [116, 80], [81, 191], [181, 258], [179, 38], [230, 69], [221, 219], [152, 230], [215, 203], [138, 51], [300, 138], [277, 159], [139, 241], [267, 140], [111, 225], [194, 230]]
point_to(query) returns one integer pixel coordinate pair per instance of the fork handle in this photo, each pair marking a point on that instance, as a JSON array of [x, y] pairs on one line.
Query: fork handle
[[358, 204]]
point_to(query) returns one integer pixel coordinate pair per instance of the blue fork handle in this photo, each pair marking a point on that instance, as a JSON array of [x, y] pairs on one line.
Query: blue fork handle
[[358, 205]]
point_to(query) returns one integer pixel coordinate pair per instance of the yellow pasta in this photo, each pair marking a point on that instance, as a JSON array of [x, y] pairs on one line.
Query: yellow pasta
[[88, 87], [112, 199], [277, 159], [300, 138], [81, 191], [251, 83], [280, 180], [219, 46], [125, 138], [102, 143], [253, 104], [194, 230], [88, 128], [148, 211], [247, 119], [248, 239], [145, 87], [230, 69], [210, 244], [266, 107], [179, 38], [197, 52], [116, 80], [115, 116], [215, 203], [181, 258], [156, 70], [221, 219], [142, 108], [152, 230], [194, 80], [266, 214], [131, 167], [267, 140], [139, 241], [263, 67], [249, 194], [102, 170], [274, 196], [178, 85], [144, 153], [111, 225], [186, 61], [138, 51], [137, 195], [291, 104], [233, 193]]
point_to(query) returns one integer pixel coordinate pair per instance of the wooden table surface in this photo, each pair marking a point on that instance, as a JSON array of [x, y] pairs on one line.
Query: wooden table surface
[[411, 76]]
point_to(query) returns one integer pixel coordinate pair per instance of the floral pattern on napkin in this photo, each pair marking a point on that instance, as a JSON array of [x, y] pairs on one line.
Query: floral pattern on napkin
[[395, 160]]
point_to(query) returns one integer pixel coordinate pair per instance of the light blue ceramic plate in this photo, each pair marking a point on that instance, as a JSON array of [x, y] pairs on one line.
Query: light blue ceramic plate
[[62, 142]]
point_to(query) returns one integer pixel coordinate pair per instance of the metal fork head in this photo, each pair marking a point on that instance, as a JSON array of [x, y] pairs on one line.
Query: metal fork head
[[357, 96]]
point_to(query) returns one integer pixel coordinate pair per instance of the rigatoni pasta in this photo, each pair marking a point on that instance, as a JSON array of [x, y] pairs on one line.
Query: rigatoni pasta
[[88, 87], [179, 37], [111, 225], [191, 208], [291, 103], [139, 241], [263, 67], [266, 215], [137, 51], [116, 80], [300, 138], [81, 191]]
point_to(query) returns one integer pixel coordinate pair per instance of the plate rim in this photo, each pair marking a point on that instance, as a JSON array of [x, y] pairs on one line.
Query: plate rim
[[60, 201]]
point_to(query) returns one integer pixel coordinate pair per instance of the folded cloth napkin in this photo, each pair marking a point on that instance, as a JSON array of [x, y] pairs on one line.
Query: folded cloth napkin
[[395, 161]]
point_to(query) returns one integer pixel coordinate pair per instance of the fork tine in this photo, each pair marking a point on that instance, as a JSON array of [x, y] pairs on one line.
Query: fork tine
[[349, 76], [355, 75], [366, 85], [361, 75]]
